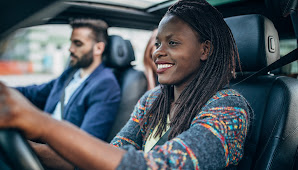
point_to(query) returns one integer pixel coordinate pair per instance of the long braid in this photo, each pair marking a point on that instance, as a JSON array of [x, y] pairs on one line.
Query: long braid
[[160, 105], [213, 74]]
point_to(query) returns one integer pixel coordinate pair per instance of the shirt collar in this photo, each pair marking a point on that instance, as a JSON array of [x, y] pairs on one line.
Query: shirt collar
[[77, 76]]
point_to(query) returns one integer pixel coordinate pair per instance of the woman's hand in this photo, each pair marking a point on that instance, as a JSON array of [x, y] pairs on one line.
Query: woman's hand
[[73, 144], [17, 112]]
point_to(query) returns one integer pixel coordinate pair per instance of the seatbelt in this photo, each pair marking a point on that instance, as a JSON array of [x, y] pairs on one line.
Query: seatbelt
[[290, 57], [69, 78], [163, 139]]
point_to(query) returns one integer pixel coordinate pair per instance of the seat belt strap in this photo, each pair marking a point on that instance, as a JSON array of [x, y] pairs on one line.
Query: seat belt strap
[[69, 78], [163, 139], [290, 57]]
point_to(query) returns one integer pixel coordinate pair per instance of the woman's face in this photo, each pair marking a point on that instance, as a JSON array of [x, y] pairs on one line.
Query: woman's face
[[179, 52]]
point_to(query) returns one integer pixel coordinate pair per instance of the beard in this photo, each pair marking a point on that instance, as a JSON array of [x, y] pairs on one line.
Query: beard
[[83, 62]]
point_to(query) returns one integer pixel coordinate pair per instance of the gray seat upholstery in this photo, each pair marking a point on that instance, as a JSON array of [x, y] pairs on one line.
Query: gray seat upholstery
[[272, 141], [133, 83]]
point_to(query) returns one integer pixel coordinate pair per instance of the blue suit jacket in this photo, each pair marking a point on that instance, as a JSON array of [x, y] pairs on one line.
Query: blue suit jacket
[[92, 107]]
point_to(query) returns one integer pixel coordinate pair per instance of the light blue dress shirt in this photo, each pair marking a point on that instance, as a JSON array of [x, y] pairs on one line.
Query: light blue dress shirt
[[69, 90]]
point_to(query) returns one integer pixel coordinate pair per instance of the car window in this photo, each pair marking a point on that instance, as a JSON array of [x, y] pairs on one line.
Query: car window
[[138, 39], [38, 54], [286, 46], [34, 55]]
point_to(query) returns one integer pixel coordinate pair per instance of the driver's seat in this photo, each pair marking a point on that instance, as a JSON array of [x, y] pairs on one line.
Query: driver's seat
[[272, 142]]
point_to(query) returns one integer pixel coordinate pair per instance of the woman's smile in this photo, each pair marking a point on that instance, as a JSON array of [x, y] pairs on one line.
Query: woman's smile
[[162, 67]]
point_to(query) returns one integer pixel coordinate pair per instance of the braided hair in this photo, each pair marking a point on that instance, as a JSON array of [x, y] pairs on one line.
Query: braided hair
[[214, 73]]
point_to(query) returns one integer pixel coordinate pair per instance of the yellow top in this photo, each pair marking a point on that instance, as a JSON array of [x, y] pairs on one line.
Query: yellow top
[[153, 140]]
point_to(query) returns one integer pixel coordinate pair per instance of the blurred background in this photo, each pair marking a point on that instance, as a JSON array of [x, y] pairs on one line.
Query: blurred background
[[38, 54]]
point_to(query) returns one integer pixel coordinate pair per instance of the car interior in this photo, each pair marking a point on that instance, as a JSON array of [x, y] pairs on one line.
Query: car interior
[[271, 142], [133, 83], [257, 26]]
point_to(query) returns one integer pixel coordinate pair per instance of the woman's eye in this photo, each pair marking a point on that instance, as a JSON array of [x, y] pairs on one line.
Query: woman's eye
[[173, 43]]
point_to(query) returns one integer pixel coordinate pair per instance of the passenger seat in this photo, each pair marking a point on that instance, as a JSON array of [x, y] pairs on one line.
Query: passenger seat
[[133, 83]]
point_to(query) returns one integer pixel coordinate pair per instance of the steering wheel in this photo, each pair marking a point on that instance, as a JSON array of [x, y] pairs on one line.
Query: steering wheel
[[17, 152]]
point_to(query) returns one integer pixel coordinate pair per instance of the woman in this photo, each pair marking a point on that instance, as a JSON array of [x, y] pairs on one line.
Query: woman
[[208, 122], [150, 67]]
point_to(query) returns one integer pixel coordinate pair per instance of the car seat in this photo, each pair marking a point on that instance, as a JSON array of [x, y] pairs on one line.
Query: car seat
[[133, 83], [272, 141]]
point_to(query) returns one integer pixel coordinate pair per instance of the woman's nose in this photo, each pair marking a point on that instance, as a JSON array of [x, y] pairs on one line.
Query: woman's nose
[[159, 52]]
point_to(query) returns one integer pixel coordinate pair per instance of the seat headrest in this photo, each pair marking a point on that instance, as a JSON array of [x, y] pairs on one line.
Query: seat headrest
[[131, 53], [119, 53], [257, 41]]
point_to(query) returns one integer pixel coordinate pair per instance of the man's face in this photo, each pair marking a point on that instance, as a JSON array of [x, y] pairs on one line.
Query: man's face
[[81, 49]]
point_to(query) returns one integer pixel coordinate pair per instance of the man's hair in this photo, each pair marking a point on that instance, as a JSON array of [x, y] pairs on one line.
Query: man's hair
[[98, 27], [214, 73]]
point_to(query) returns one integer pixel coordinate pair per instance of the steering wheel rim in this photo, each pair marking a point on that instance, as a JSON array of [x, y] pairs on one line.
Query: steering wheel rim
[[17, 150]]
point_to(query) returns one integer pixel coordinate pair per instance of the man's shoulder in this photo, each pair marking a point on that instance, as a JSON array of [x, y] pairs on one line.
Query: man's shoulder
[[103, 78], [104, 70], [103, 73]]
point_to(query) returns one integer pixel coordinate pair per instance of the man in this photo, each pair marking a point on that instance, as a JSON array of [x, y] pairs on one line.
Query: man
[[88, 89]]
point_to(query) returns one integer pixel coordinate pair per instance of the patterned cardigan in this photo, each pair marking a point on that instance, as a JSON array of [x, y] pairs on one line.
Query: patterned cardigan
[[214, 140]]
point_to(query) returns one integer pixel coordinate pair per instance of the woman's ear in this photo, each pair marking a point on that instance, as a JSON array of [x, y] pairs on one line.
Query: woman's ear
[[99, 48], [207, 50]]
